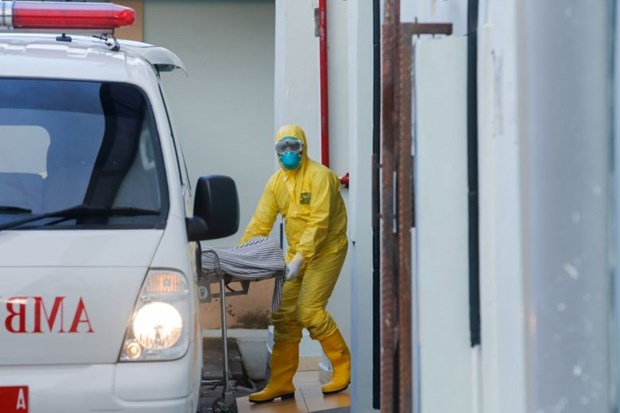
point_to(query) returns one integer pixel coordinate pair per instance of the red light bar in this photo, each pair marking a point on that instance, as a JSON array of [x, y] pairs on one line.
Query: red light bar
[[67, 16]]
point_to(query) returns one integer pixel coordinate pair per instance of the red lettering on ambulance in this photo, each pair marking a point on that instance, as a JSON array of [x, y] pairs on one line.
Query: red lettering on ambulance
[[20, 314], [57, 307], [77, 318]]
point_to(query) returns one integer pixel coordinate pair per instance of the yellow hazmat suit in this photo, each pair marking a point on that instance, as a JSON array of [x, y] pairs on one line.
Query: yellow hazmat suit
[[315, 222]]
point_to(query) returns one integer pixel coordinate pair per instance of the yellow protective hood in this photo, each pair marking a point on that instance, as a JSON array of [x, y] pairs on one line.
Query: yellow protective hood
[[293, 131]]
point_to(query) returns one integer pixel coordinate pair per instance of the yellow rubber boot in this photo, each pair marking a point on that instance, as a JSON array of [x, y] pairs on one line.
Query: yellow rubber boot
[[338, 354], [284, 362]]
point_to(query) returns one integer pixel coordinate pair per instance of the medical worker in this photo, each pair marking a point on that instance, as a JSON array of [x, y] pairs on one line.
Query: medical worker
[[307, 195]]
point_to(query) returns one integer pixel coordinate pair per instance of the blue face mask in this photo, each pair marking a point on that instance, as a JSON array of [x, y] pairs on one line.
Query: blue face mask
[[290, 160]]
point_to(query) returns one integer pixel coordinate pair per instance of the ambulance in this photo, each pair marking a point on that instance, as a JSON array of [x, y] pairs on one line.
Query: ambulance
[[99, 222]]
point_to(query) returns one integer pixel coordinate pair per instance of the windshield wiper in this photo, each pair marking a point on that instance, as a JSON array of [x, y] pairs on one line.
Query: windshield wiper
[[81, 211], [7, 209]]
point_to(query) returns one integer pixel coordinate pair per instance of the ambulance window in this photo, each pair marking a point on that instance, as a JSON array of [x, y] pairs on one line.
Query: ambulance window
[[23, 149], [72, 143]]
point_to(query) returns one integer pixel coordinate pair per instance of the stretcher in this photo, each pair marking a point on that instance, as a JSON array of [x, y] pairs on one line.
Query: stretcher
[[258, 259]]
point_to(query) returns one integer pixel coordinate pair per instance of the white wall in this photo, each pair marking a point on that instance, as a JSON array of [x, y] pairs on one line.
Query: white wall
[[567, 204], [224, 109], [442, 261], [360, 83], [501, 279]]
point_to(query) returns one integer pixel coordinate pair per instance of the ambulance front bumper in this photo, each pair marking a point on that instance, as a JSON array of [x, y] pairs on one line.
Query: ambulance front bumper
[[154, 387]]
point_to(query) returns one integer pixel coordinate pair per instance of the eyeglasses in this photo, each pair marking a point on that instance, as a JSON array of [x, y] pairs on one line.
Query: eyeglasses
[[289, 144]]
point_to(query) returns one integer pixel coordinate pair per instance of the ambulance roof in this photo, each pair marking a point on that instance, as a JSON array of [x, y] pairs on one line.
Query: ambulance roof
[[81, 58]]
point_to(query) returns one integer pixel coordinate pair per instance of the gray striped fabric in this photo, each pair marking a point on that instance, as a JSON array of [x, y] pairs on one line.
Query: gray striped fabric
[[258, 259]]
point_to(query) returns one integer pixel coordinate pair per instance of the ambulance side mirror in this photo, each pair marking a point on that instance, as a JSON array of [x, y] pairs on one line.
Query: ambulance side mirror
[[216, 209]]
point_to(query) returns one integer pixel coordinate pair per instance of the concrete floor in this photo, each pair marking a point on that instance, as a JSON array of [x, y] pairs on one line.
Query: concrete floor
[[245, 373], [308, 398]]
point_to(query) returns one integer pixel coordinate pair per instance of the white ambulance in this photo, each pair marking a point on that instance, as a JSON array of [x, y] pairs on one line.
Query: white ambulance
[[98, 293]]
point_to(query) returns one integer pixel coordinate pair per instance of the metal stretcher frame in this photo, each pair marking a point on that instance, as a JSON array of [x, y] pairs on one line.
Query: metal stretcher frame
[[226, 402]]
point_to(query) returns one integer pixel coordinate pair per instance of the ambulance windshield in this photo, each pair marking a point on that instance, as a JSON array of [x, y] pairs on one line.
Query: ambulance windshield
[[65, 143]]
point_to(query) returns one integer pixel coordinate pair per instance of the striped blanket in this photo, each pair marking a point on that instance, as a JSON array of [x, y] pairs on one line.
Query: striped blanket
[[258, 259]]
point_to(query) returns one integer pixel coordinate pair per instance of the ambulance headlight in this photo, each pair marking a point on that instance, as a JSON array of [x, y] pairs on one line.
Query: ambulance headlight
[[159, 326]]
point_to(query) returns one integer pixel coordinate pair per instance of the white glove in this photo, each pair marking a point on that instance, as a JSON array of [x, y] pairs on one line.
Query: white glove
[[293, 267]]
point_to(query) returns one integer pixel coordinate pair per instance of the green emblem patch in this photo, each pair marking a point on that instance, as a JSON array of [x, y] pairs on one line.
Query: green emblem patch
[[304, 199]]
